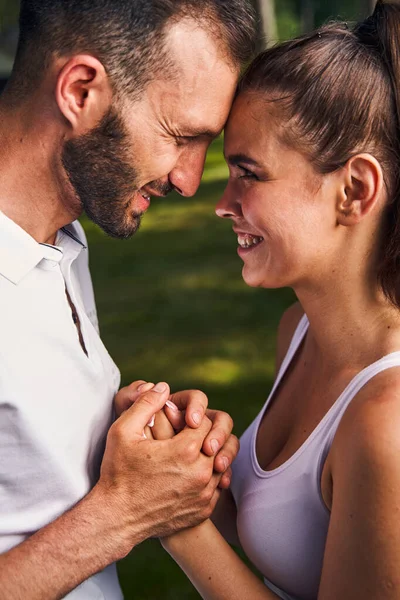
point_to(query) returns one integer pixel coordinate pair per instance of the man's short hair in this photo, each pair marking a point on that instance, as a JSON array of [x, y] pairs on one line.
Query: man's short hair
[[127, 36]]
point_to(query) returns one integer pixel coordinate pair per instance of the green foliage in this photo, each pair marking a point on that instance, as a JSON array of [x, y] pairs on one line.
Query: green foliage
[[352, 11], [8, 13], [288, 13], [288, 19]]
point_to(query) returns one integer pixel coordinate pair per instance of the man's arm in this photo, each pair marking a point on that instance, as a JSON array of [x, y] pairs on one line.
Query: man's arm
[[146, 489], [56, 559]]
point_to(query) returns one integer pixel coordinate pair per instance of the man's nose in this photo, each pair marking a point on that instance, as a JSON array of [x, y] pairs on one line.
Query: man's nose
[[186, 176], [229, 205]]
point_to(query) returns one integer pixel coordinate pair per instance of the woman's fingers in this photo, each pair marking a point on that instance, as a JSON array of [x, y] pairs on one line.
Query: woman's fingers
[[193, 403], [126, 397], [162, 428], [175, 416]]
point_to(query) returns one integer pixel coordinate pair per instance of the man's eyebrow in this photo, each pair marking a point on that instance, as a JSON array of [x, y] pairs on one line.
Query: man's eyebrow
[[237, 159], [199, 132]]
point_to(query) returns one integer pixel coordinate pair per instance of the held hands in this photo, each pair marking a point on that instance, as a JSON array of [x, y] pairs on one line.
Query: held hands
[[188, 408], [153, 488]]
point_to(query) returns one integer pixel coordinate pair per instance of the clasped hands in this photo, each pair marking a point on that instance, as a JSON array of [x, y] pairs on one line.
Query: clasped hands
[[157, 481], [187, 408]]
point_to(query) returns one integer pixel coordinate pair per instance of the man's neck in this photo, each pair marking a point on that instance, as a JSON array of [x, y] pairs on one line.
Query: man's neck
[[32, 180]]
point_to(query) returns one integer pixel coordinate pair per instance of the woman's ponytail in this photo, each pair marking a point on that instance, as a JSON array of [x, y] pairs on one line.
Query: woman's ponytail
[[381, 34]]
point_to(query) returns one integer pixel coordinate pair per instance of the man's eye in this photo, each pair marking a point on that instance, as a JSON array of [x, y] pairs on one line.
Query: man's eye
[[184, 139], [246, 174]]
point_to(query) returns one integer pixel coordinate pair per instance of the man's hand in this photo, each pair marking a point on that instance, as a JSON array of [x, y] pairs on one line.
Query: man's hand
[[154, 488], [189, 408]]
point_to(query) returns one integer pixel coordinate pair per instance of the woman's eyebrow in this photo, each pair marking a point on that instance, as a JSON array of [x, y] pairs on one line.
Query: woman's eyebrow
[[237, 159]]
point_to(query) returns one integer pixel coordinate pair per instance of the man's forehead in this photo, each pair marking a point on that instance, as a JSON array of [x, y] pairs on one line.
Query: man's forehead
[[192, 44], [197, 112]]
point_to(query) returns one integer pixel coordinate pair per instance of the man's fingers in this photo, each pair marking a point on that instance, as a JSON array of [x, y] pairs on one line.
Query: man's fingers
[[193, 439], [141, 413], [194, 403], [227, 454], [220, 432]]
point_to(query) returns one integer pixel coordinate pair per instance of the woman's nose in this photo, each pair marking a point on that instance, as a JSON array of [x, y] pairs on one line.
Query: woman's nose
[[228, 206]]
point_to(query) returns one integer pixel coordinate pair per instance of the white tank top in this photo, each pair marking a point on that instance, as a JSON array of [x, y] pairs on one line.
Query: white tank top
[[282, 520]]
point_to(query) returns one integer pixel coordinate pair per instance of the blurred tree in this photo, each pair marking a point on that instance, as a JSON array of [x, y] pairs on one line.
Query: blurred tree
[[267, 25], [266, 9]]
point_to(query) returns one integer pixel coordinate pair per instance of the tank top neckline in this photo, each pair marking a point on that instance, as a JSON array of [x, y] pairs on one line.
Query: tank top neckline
[[297, 339]]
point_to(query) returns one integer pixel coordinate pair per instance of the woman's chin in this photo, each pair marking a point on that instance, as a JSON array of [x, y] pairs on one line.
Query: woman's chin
[[252, 279], [262, 280]]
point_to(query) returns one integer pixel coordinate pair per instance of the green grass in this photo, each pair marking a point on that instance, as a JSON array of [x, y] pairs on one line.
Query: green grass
[[173, 307]]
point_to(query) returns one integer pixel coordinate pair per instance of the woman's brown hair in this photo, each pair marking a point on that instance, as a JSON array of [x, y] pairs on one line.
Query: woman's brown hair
[[339, 90]]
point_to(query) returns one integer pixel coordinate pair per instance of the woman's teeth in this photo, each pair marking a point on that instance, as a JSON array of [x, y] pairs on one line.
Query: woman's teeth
[[246, 241]]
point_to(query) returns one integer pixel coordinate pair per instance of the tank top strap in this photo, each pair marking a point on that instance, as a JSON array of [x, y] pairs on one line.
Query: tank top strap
[[336, 412], [296, 340]]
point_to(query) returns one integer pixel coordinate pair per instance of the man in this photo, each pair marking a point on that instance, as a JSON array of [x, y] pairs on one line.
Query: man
[[110, 102]]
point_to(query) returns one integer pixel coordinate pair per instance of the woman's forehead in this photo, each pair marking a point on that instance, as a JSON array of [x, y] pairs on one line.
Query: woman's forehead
[[253, 121]]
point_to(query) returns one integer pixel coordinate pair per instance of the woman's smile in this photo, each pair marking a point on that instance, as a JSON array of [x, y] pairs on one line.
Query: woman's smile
[[247, 242]]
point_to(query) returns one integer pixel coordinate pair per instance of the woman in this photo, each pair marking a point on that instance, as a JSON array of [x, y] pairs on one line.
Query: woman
[[313, 147]]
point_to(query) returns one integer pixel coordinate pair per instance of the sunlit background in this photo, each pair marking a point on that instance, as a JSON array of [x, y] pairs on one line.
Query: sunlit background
[[171, 301]]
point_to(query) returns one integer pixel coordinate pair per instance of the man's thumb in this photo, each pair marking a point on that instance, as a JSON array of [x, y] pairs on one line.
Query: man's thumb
[[146, 406]]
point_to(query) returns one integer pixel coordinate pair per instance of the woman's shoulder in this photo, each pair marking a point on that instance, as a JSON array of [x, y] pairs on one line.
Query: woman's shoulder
[[369, 431], [287, 326]]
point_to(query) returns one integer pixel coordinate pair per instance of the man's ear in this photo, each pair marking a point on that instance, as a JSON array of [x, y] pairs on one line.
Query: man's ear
[[360, 190], [83, 92]]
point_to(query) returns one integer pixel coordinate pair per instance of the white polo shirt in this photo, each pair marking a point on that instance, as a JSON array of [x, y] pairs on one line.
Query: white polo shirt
[[55, 401]]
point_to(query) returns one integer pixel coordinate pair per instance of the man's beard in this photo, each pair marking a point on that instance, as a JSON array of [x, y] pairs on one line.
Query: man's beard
[[102, 176]]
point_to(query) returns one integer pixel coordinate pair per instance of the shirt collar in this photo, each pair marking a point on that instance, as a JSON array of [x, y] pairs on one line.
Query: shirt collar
[[20, 252], [72, 232]]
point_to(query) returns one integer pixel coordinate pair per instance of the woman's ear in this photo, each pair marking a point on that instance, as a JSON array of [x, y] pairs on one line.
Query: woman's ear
[[83, 93], [361, 189]]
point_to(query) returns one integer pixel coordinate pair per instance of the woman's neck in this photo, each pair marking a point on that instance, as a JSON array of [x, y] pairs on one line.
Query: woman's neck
[[350, 324]]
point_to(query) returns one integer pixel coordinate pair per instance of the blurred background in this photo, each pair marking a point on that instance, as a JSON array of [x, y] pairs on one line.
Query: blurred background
[[171, 301]]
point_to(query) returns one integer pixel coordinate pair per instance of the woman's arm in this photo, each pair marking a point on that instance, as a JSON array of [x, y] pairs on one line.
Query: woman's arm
[[224, 517], [362, 554], [213, 567]]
